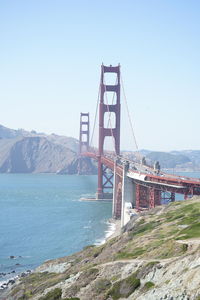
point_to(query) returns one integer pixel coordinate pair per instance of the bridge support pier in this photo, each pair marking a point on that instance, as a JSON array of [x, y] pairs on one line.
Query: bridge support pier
[[117, 194], [154, 197], [142, 200], [147, 197], [172, 197], [128, 195]]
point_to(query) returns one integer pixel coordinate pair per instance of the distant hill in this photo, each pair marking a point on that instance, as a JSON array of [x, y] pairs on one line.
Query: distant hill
[[24, 151], [168, 160], [7, 133], [183, 160], [31, 152]]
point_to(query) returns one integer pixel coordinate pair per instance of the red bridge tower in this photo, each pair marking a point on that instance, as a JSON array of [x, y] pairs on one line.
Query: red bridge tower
[[104, 178]]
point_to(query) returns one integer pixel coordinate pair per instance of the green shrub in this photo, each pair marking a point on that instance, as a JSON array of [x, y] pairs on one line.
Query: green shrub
[[152, 263], [26, 295], [149, 285], [192, 231], [127, 255], [144, 228], [52, 295], [102, 285], [124, 288]]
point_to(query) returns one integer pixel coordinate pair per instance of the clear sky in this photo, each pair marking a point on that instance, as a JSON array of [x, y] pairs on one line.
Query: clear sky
[[50, 57]]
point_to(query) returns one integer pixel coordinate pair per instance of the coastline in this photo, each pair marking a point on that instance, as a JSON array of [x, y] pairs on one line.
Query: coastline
[[113, 230], [116, 229]]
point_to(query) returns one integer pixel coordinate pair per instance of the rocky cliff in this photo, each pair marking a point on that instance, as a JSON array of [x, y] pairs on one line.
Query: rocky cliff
[[156, 257], [31, 152]]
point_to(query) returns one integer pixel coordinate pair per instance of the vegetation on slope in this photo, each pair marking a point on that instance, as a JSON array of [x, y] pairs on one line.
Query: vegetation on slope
[[158, 237]]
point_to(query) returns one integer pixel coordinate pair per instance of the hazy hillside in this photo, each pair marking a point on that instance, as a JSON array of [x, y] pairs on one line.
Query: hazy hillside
[[184, 160], [168, 160], [7, 133], [31, 152], [22, 151]]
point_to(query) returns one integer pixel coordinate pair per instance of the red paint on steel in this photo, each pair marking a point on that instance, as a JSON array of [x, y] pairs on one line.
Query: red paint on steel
[[180, 185], [151, 197], [104, 182]]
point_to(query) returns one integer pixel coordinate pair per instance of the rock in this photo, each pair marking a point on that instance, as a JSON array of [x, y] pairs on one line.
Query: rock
[[4, 285]]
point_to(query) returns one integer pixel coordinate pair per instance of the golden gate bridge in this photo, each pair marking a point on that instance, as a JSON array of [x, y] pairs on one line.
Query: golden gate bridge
[[120, 178]]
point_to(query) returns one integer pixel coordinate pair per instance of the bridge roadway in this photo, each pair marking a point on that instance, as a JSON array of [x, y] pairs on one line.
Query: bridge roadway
[[146, 176]]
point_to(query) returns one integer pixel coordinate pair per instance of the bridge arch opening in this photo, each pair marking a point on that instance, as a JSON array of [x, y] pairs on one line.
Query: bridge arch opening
[[84, 148], [109, 120], [84, 127], [110, 98], [108, 145], [110, 78], [84, 137]]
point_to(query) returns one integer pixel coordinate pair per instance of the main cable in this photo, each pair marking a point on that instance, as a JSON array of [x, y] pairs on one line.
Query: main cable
[[95, 118], [129, 117]]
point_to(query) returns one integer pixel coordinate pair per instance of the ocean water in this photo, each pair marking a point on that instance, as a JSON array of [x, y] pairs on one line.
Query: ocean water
[[42, 217]]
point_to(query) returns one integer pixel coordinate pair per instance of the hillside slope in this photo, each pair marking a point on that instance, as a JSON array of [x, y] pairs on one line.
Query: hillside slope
[[31, 152], [157, 256], [35, 154], [183, 160]]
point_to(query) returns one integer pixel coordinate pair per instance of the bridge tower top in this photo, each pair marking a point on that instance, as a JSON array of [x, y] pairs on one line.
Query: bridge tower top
[[105, 107]]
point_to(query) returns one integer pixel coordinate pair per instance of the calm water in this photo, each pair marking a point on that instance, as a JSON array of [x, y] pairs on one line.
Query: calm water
[[41, 218]]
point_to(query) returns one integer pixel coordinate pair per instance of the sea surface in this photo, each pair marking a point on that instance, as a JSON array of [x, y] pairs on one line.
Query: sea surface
[[42, 217]]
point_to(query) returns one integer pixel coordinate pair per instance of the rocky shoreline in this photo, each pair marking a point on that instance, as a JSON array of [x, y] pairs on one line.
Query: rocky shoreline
[[5, 284], [14, 277], [155, 257], [7, 279]]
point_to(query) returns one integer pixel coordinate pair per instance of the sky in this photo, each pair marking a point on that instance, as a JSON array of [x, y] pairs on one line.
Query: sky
[[50, 58]]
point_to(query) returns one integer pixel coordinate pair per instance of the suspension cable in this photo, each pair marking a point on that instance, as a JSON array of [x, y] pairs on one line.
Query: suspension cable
[[95, 118], [130, 121], [129, 117]]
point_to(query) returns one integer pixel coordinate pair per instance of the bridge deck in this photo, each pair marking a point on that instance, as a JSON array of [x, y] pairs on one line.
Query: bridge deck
[[144, 175]]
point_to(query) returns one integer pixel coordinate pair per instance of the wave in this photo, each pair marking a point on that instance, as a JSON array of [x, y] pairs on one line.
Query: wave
[[108, 233]]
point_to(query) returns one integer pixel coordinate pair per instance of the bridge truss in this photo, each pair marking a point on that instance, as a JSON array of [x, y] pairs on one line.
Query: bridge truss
[[143, 187]]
